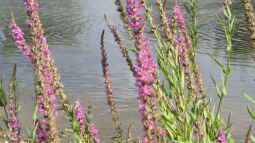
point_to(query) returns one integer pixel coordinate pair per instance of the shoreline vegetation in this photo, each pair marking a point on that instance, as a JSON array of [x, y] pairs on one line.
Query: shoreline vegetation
[[172, 100]]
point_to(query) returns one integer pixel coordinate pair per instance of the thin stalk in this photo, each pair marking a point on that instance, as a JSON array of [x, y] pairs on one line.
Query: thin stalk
[[122, 47], [164, 20], [111, 102], [248, 135]]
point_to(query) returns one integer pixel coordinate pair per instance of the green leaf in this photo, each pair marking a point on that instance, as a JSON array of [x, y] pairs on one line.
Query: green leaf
[[34, 115], [217, 61], [216, 87], [3, 100], [252, 114], [250, 99], [252, 139], [75, 126]]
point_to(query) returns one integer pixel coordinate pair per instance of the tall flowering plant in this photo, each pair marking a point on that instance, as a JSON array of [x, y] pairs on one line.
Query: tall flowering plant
[[169, 93], [145, 71], [13, 122], [182, 113], [45, 97], [87, 132], [47, 81]]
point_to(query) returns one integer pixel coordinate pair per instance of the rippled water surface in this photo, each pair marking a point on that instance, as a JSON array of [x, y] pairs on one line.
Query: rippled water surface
[[73, 29]]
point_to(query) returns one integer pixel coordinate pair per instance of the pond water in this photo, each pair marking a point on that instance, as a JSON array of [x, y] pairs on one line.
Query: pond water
[[73, 29]]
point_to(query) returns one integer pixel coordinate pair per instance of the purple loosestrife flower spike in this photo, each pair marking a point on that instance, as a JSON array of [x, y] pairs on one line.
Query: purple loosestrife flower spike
[[80, 117], [93, 131], [179, 16], [44, 74], [221, 137], [145, 71], [182, 42], [107, 82], [198, 134], [41, 134], [18, 37], [79, 114], [13, 124], [41, 49], [122, 47], [180, 20], [12, 121], [191, 67], [181, 37]]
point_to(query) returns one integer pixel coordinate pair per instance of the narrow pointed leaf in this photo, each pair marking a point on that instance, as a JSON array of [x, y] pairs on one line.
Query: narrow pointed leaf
[[3, 101]]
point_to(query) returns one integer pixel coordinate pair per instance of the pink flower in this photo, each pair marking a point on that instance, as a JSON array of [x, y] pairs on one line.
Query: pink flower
[[31, 6], [18, 37], [181, 38], [145, 69], [93, 132], [178, 14], [198, 134], [144, 141], [41, 134], [79, 114], [162, 132], [13, 124], [135, 13], [42, 64], [221, 136]]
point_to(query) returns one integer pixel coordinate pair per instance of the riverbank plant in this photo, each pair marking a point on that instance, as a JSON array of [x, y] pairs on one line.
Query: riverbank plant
[[173, 104]]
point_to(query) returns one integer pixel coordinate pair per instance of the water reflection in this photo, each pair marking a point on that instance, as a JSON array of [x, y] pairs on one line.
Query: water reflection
[[73, 29], [212, 38]]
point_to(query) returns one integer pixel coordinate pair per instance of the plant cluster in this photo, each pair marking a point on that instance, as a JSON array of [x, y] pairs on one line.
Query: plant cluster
[[173, 104]]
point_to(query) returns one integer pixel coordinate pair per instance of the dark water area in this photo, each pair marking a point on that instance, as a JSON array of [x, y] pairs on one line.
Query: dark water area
[[73, 29]]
